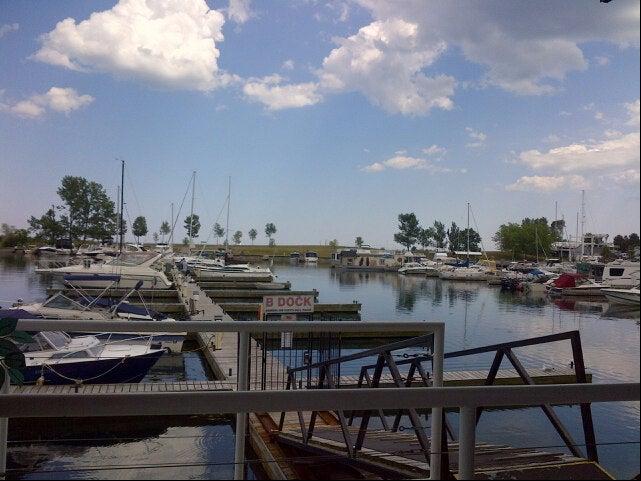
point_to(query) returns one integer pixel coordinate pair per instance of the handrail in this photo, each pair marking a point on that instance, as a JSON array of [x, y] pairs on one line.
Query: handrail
[[367, 353], [228, 402]]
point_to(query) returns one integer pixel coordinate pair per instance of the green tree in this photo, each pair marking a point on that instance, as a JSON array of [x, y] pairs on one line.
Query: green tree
[[475, 240], [359, 242], [219, 231], [165, 229], [238, 236], [253, 233], [12, 237], [90, 213], [426, 237], [439, 234], [527, 238], [156, 237], [333, 243], [270, 230], [454, 238], [193, 224], [47, 228], [408, 230], [139, 227]]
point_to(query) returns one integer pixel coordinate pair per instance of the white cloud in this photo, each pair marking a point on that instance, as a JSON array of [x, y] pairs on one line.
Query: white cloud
[[613, 152], [478, 138], [434, 150], [526, 47], [167, 43], [599, 115], [538, 183], [275, 96], [239, 11], [56, 99], [602, 60], [7, 28], [404, 162], [288, 64], [625, 178], [633, 113], [385, 61]]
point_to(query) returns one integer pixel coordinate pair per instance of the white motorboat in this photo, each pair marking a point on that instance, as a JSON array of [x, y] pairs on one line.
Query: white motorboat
[[621, 274], [234, 271], [60, 306], [628, 297], [57, 358], [469, 274], [131, 268], [311, 257], [419, 268]]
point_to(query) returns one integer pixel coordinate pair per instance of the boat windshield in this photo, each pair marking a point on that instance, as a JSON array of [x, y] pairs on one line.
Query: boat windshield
[[53, 339], [130, 260], [59, 301]]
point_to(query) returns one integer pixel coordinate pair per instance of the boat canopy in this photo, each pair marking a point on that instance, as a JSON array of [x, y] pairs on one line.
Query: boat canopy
[[567, 280], [91, 277]]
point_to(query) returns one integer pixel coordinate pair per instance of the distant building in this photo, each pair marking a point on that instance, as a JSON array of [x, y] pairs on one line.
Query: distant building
[[593, 246]]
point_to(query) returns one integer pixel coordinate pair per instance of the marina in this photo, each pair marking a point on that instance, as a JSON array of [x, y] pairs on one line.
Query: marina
[[219, 351]]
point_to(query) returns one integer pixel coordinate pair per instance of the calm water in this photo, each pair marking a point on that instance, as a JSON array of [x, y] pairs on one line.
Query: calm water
[[475, 315]]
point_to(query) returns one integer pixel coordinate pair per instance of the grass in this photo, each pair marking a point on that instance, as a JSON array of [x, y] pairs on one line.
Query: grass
[[323, 251]]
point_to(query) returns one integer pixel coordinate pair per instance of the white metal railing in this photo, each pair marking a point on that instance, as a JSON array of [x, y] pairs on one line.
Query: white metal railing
[[242, 401]]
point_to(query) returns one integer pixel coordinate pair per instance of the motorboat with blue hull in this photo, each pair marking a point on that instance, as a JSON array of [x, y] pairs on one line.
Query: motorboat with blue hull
[[59, 306], [55, 358]]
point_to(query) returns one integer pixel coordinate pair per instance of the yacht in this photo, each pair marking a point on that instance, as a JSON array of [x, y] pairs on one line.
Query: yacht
[[295, 257], [419, 268], [60, 306], [57, 358], [464, 274], [311, 257], [621, 274], [232, 272], [131, 269], [628, 297]]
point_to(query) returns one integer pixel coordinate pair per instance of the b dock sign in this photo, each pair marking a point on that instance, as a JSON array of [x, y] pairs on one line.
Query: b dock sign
[[288, 304]]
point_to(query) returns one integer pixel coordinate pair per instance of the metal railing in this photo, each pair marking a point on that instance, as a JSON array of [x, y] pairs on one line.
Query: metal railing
[[466, 399]]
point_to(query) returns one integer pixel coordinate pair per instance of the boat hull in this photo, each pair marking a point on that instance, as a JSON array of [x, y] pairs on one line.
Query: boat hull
[[103, 371], [620, 296]]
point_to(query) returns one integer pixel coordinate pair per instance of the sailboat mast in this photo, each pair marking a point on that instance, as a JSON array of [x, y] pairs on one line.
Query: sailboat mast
[[191, 215], [582, 224], [122, 206], [227, 222], [468, 234], [171, 234]]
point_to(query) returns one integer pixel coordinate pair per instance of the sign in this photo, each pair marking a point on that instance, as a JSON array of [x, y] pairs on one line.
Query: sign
[[288, 304]]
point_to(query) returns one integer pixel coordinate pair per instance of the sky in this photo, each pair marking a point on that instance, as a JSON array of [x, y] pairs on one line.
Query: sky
[[331, 117]]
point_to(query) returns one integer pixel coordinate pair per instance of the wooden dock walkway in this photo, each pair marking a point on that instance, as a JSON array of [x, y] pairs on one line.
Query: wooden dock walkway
[[125, 388], [398, 455]]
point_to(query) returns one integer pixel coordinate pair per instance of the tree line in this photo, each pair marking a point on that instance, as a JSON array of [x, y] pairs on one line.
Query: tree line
[[86, 212], [410, 233]]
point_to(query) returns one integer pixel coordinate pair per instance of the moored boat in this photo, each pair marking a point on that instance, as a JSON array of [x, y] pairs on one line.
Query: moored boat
[[628, 297]]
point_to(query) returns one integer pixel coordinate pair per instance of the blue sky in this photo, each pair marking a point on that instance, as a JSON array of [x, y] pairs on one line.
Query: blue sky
[[330, 117]]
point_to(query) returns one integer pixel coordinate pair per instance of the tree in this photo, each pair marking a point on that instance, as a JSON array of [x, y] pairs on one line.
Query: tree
[[238, 236], [270, 230], [334, 243], [475, 240], [558, 228], [139, 227], [156, 237], [165, 229], [527, 238], [408, 230], [47, 227], [426, 237], [253, 233], [454, 238], [90, 213], [12, 237], [626, 244], [193, 224], [359, 241], [439, 234], [219, 231]]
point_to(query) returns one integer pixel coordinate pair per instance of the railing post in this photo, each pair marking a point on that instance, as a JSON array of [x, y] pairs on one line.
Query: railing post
[[4, 427], [437, 413], [241, 418], [467, 442]]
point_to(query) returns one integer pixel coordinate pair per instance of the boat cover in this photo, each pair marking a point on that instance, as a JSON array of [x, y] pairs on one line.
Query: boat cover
[[567, 280], [91, 277], [124, 308]]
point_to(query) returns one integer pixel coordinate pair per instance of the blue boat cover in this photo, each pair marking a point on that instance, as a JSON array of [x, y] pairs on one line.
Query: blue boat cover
[[124, 308], [18, 314], [91, 277]]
